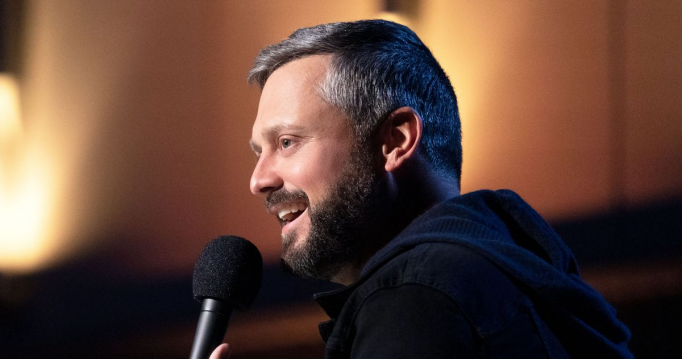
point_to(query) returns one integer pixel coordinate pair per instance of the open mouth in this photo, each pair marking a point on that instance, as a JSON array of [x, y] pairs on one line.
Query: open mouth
[[290, 212]]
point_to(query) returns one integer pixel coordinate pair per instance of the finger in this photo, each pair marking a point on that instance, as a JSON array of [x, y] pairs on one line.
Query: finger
[[221, 352]]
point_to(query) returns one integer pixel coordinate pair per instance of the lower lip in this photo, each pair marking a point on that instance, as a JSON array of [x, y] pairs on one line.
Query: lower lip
[[290, 226]]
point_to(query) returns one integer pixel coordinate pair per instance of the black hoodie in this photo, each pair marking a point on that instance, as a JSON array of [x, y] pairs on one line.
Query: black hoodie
[[479, 275]]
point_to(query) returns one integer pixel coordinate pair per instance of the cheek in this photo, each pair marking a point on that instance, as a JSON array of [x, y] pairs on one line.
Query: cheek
[[315, 172]]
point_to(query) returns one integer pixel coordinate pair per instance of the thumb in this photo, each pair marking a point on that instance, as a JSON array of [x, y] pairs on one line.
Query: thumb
[[221, 352]]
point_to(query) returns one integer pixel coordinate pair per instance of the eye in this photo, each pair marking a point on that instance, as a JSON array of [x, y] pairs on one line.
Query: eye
[[285, 143]]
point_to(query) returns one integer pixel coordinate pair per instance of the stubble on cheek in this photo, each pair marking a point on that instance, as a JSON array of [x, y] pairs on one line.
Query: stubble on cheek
[[335, 230]]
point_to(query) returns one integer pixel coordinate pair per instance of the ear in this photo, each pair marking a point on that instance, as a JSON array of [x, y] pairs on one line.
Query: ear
[[400, 135]]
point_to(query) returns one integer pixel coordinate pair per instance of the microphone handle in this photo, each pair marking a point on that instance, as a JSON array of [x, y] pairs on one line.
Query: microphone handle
[[211, 328]]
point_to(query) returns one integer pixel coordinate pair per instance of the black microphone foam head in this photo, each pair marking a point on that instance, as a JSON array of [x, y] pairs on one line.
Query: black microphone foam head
[[230, 268]]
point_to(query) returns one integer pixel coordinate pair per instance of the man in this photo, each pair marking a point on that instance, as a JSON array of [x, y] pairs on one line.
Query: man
[[359, 158]]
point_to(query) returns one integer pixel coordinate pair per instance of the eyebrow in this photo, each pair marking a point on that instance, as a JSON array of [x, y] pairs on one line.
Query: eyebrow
[[272, 132]]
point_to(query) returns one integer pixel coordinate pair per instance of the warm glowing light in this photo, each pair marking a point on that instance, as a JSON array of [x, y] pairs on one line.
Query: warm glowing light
[[10, 124], [22, 213], [22, 195]]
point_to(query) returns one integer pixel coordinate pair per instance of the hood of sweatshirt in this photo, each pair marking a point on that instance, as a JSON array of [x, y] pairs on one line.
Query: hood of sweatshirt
[[504, 229]]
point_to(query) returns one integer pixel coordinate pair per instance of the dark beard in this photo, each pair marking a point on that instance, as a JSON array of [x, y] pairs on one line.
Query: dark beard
[[338, 225]]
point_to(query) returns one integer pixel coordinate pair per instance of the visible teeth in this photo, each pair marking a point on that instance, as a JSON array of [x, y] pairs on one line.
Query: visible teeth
[[291, 209], [284, 212]]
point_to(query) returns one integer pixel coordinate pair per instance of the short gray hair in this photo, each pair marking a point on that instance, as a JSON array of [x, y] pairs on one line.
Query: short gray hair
[[377, 67]]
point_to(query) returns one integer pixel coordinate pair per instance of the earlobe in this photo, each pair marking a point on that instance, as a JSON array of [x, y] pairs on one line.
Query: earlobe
[[401, 134]]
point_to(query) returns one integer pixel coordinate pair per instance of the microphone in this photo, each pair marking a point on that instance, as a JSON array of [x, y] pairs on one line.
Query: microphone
[[227, 275]]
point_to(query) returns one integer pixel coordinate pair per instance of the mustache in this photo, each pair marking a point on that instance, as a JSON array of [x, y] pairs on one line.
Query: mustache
[[283, 195]]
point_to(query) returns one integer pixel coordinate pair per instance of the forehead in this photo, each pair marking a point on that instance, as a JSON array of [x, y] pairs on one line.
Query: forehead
[[303, 75], [291, 98]]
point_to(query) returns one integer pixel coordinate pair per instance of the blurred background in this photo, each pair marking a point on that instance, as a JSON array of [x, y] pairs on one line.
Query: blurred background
[[124, 129]]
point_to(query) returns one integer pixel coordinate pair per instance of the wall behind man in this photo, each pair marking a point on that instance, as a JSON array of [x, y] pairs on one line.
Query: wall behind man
[[569, 104], [137, 118], [142, 113]]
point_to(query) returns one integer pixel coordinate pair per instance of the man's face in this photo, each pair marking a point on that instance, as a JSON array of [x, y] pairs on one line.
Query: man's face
[[313, 176]]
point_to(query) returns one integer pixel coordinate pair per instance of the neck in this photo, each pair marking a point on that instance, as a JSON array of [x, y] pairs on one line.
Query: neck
[[348, 274], [407, 194]]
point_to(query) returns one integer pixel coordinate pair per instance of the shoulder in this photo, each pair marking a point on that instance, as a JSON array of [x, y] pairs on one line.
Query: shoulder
[[436, 300], [446, 266], [471, 283]]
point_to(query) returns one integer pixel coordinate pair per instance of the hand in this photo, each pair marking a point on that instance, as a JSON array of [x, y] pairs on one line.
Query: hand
[[221, 352]]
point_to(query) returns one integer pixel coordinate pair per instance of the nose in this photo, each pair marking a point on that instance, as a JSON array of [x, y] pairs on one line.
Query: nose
[[265, 178]]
